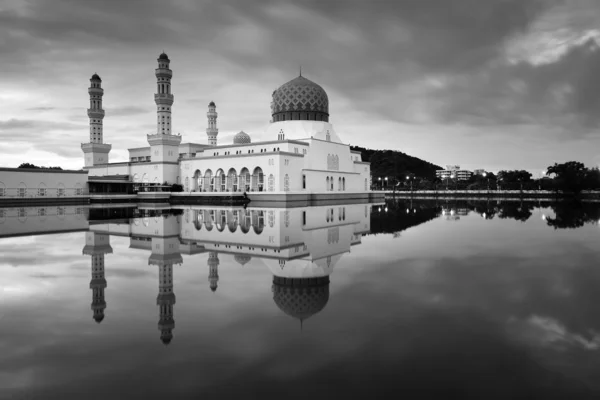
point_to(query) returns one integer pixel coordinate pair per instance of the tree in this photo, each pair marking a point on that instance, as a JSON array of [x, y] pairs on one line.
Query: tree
[[32, 166], [569, 176], [511, 178]]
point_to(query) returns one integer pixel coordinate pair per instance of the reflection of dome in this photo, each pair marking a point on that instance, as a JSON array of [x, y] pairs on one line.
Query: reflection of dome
[[242, 259], [166, 339], [212, 104], [96, 77], [242, 138], [98, 317], [301, 298], [300, 99], [163, 56]]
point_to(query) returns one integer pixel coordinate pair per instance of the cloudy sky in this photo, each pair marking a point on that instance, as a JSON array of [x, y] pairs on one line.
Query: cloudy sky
[[495, 84]]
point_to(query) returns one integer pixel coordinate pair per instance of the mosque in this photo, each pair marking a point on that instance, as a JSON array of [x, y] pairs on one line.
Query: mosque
[[303, 158]]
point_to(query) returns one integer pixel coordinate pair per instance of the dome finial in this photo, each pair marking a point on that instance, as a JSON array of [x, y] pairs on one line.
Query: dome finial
[[300, 70]]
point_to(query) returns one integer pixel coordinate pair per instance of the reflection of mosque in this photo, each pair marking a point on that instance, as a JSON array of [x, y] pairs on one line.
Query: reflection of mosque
[[300, 246]]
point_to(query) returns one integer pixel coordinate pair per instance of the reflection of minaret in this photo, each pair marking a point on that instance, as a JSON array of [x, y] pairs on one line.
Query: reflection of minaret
[[213, 270], [97, 245], [165, 253]]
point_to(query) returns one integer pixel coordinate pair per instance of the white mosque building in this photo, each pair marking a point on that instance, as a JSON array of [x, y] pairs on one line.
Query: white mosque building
[[305, 158]]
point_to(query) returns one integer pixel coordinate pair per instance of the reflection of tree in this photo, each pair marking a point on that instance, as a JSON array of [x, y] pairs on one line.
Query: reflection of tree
[[519, 211], [401, 215], [573, 214]]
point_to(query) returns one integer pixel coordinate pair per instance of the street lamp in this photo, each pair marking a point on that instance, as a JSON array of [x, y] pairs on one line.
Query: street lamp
[[408, 178], [542, 175], [455, 183], [386, 182], [379, 179]]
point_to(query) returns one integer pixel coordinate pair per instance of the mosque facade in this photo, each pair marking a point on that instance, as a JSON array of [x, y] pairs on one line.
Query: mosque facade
[[304, 155]]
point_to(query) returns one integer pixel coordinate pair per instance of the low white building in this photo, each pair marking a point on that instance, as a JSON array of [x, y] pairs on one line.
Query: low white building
[[24, 183], [453, 172], [305, 155]]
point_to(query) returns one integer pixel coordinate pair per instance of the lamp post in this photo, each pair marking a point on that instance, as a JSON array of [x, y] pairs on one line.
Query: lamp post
[[542, 175], [408, 178], [488, 181], [455, 183], [386, 179], [379, 179]]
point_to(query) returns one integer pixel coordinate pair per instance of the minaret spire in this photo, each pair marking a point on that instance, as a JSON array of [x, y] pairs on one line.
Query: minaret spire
[[300, 70], [96, 152], [163, 97], [212, 131]]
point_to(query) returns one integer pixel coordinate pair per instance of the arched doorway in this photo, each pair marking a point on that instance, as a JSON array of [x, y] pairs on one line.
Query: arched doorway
[[220, 181], [245, 180], [232, 180], [197, 183], [209, 181], [258, 179]]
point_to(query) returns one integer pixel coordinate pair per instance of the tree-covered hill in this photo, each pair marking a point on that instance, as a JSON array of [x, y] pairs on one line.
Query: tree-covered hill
[[396, 164]]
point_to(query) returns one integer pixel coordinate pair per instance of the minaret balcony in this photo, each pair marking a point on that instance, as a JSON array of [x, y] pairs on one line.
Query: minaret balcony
[[163, 72], [96, 91], [163, 98], [95, 113]]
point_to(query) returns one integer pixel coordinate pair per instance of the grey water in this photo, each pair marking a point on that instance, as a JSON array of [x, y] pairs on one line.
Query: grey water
[[408, 298]]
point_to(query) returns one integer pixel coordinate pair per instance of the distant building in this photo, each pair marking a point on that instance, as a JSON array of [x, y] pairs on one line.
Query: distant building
[[453, 172], [479, 171]]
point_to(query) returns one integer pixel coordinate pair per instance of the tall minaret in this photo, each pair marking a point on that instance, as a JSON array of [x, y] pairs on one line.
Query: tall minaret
[[164, 146], [213, 270], [96, 152], [212, 131], [163, 97], [165, 253], [97, 245]]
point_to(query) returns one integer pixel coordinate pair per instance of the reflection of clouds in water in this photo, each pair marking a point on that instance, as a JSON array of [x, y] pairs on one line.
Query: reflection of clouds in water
[[549, 332]]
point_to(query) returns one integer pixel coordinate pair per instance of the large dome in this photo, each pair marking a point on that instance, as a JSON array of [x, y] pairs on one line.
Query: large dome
[[300, 99], [241, 138], [301, 298]]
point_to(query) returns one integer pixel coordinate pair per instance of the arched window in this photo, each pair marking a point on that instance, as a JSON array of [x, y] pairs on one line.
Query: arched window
[[331, 182], [339, 184], [344, 184], [327, 184], [271, 183]]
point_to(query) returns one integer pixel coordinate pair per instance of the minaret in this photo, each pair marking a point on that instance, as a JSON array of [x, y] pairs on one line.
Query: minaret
[[163, 97], [97, 245], [165, 253], [213, 270], [164, 147], [212, 131], [96, 152]]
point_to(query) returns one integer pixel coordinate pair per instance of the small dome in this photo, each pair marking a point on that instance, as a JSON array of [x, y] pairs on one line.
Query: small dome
[[300, 99], [212, 104], [163, 56], [242, 259], [242, 138], [301, 298], [96, 77], [98, 318], [166, 340]]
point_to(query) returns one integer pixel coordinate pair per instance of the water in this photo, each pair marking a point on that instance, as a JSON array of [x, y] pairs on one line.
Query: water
[[420, 299]]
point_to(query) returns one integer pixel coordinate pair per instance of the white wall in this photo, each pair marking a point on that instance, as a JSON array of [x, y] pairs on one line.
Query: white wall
[[42, 183]]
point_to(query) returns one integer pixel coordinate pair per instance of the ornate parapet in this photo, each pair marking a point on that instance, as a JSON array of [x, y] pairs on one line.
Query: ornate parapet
[[96, 147], [158, 139]]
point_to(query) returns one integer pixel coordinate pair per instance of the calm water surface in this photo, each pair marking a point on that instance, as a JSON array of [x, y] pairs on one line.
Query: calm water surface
[[419, 299]]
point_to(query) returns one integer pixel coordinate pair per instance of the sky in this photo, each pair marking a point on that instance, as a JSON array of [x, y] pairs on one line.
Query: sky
[[493, 84]]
